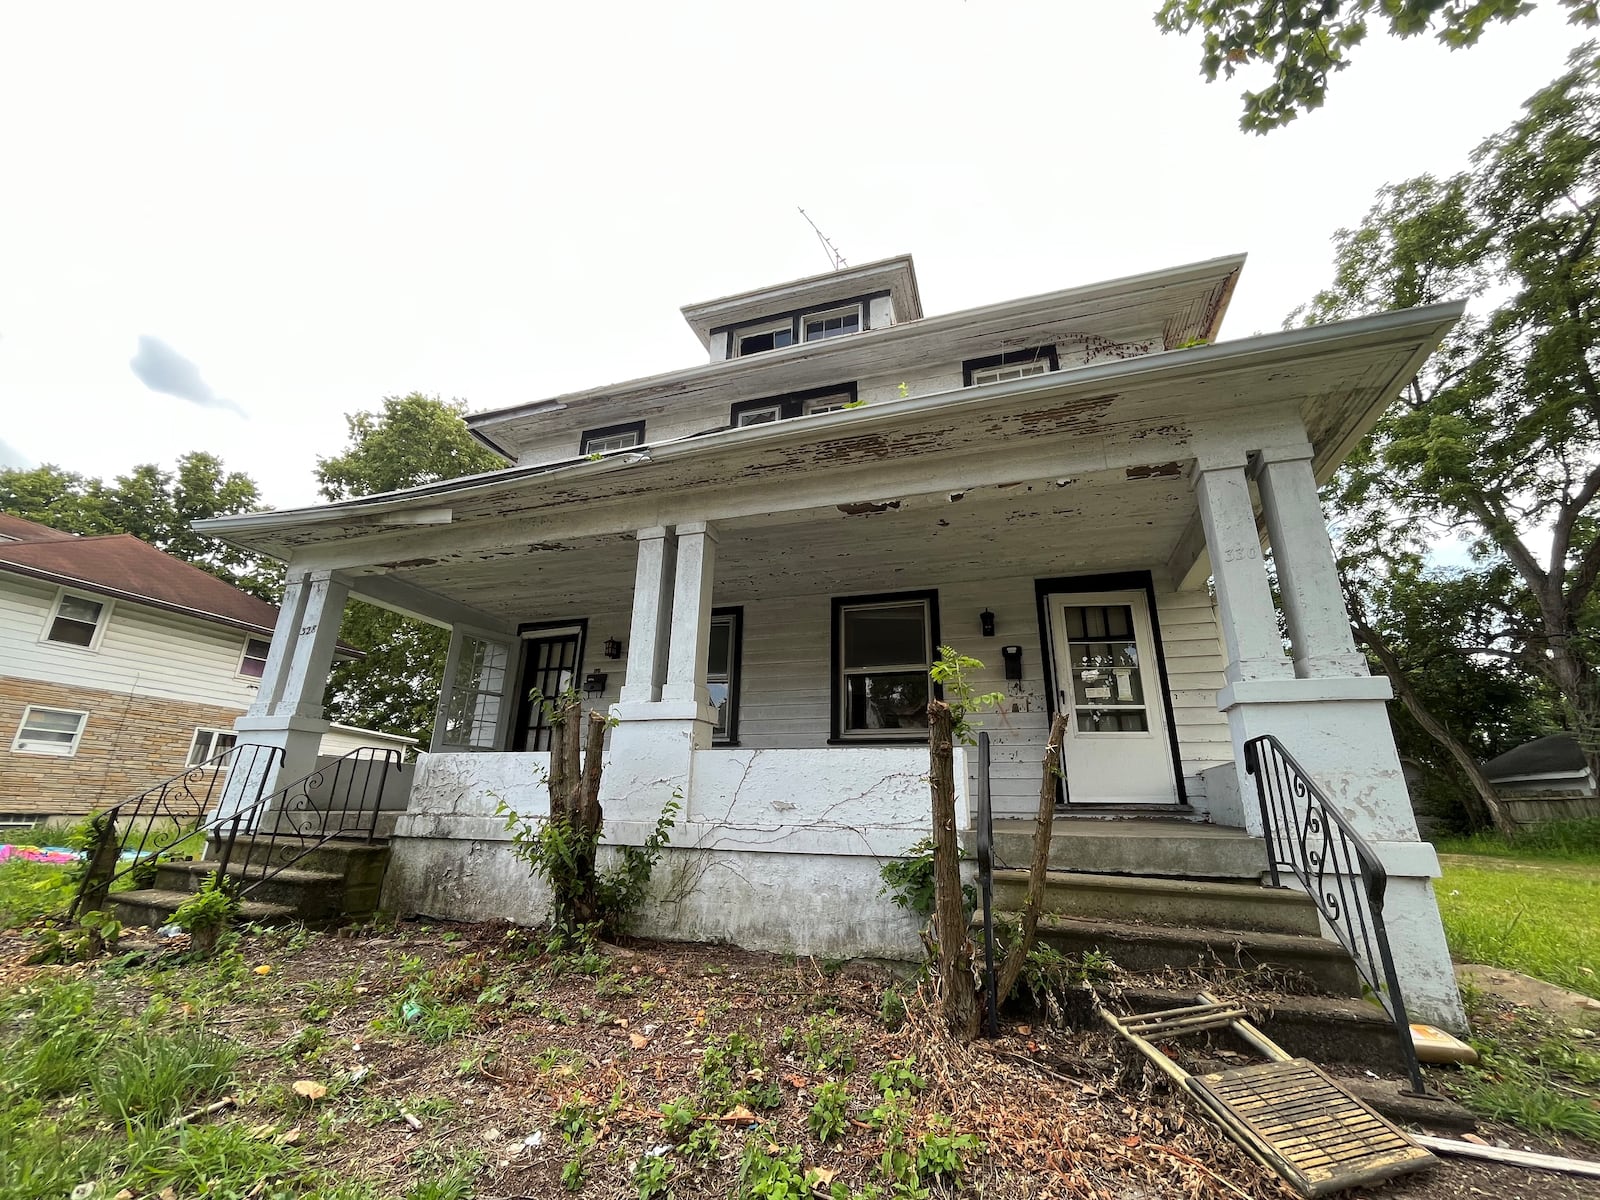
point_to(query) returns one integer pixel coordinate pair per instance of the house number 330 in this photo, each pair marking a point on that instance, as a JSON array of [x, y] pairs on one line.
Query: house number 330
[[1239, 554]]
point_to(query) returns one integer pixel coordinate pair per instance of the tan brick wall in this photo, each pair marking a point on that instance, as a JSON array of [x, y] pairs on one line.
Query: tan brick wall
[[129, 744]]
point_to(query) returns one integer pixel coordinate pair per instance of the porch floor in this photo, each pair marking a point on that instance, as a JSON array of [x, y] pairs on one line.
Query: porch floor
[[1156, 846]]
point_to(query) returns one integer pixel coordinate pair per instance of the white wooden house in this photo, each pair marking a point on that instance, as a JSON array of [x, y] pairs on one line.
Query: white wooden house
[[120, 666], [751, 560]]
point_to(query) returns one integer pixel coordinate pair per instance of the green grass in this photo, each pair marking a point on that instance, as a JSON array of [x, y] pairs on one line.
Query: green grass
[[1558, 841], [1531, 1072], [1540, 917], [30, 891]]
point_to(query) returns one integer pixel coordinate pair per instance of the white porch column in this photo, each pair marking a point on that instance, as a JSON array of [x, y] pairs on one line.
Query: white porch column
[[1335, 724], [1244, 599], [1308, 580], [288, 711], [652, 613], [691, 625]]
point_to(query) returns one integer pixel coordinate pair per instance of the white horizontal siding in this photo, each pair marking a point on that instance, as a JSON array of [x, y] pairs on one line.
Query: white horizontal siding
[[142, 651]]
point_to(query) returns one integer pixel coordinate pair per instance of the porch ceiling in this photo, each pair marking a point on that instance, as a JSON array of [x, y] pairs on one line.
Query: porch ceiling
[[1101, 523], [1119, 419]]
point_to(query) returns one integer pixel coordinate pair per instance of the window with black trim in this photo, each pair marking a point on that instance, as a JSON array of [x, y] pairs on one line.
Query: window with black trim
[[882, 651], [77, 620], [722, 672], [834, 323], [795, 404], [1014, 364], [612, 437], [773, 336]]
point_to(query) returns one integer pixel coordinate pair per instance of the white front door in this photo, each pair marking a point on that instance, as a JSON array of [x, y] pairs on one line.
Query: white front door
[[1117, 750]]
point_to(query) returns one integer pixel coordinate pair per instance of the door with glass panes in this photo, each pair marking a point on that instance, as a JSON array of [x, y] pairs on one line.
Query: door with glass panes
[[1117, 748]]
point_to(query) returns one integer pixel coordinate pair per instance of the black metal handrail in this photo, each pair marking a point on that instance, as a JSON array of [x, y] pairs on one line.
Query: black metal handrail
[[135, 832], [1307, 836], [286, 826]]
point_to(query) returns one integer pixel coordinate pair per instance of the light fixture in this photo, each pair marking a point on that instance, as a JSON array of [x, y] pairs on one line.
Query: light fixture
[[594, 683], [613, 648], [986, 622], [1013, 660]]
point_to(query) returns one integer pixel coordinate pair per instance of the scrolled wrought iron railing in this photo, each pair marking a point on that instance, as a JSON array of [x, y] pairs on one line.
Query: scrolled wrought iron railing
[[135, 834], [342, 799], [1308, 837], [338, 801]]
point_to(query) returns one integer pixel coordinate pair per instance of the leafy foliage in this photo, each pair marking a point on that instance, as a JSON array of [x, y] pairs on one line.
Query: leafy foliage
[[950, 672], [413, 440], [908, 881], [1305, 43]]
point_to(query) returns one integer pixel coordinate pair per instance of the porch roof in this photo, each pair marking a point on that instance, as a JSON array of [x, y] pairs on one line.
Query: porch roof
[[1120, 420]]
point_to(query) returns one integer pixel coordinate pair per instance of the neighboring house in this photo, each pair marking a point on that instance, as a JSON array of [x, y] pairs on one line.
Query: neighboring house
[[119, 667], [752, 561]]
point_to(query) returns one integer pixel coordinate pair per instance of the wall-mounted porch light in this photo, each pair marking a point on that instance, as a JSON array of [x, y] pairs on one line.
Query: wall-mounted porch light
[[613, 648], [986, 622], [1013, 660], [594, 683]]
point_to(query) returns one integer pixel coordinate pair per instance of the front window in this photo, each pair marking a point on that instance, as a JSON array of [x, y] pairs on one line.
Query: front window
[[613, 437], [884, 647], [76, 621], [254, 661], [833, 324], [209, 743], [49, 731], [472, 713], [722, 673]]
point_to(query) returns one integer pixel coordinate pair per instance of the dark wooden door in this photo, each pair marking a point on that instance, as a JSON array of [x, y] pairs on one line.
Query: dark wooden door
[[549, 667]]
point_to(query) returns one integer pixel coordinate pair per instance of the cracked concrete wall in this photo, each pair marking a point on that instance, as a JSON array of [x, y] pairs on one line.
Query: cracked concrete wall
[[775, 850]]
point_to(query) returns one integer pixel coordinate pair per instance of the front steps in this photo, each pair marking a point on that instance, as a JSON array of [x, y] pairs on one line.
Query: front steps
[[337, 880], [1155, 894]]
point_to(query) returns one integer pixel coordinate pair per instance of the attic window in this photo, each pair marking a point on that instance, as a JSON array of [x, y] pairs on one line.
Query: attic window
[[1014, 364], [839, 322], [766, 337], [795, 404], [612, 437]]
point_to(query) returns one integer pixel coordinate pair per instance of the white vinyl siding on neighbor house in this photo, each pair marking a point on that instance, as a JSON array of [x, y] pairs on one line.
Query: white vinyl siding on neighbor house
[[141, 651], [51, 731]]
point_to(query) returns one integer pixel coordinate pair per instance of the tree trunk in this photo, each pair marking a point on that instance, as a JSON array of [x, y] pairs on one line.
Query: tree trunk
[[958, 992], [1487, 800], [1017, 955]]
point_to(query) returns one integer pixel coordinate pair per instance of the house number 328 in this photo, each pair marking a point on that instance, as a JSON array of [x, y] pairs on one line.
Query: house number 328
[[1239, 554]]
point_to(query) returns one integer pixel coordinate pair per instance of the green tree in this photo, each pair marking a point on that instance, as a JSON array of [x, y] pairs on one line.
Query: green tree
[[155, 505], [1306, 41], [412, 440], [1497, 440]]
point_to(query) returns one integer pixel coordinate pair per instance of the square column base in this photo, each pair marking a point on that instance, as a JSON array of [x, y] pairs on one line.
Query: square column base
[[652, 756]]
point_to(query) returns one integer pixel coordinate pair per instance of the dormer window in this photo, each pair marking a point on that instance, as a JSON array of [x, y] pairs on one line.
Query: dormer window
[[833, 324], [1014, 364], [612, 437], [774, 336], [795, 404]]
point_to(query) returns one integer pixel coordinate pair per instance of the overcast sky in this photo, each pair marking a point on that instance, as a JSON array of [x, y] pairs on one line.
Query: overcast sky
[[223, 230]]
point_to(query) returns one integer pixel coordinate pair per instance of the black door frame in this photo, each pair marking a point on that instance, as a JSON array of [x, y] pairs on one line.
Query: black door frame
[[529, 635]]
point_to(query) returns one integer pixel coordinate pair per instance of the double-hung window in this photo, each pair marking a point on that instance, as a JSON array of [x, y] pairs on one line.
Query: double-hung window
[[1013, 364], [612, 437], [722, 672], [54, 731], [253, 662], [76, 621], [472, 712], [883, 648]]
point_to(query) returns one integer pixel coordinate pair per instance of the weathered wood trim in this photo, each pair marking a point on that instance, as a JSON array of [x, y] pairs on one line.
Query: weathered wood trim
[[409, 600]]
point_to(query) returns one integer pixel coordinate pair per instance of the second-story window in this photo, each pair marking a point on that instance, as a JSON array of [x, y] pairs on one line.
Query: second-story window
[[77, 621], [832, 324], [1014, 364], [612, 437], [774, 336], [795, 404]]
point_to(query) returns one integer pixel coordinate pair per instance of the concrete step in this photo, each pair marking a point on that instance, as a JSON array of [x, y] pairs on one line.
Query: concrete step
[[1144, 948], [342, 856], [1162, 847], [154, 907], [1215, 904], [313, 895], [356, 825]]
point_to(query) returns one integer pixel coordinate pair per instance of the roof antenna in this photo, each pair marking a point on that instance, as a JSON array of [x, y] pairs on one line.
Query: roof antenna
[[828, 247]]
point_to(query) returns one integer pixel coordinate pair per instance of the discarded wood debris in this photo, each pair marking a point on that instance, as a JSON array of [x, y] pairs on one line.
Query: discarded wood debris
[[1286, 1113], [1517, 1158]]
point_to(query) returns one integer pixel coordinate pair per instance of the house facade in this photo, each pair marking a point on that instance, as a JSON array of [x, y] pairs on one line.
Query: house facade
[[119, 667], [751, 563]]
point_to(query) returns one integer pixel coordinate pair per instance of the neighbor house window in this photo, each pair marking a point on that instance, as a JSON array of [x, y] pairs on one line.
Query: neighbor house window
[[759, 338], [254, 660], [613, 437], [209, 743], [77, 620], [472, 713], [1014, 364], [796, 404], [837, 323], [722, 672], [49, 731], [883, 647]]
